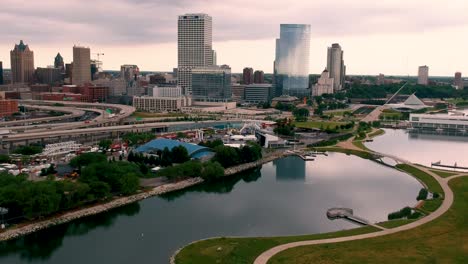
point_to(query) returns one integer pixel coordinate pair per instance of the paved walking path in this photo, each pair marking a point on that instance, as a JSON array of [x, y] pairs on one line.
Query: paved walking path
[[447, 202]]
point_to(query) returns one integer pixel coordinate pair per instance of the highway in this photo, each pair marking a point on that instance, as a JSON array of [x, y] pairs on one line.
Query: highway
[[123, 111]]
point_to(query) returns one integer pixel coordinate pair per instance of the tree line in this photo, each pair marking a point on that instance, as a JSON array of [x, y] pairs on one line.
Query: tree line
[[99, 180]]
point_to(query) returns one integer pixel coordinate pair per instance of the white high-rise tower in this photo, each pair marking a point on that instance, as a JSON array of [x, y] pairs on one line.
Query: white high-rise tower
[[195, 47]]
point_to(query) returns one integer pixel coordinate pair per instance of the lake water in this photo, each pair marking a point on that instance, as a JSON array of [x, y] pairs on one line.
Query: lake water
[[284, 197], [422, 148]]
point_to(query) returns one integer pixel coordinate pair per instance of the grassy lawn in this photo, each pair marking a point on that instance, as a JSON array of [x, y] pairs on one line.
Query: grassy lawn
[[430, 182], [444, 174], [395, 223], [362, 154], [318, 124], [360, 145], [451, 229], [443, 240], [245, 250], [337, 113], [376, 133], [365, 110]]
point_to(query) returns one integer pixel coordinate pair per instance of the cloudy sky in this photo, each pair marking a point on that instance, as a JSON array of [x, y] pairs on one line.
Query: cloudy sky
[[386, 36]]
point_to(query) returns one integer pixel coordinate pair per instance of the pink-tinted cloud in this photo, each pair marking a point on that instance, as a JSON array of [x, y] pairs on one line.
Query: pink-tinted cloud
[[123, 22]]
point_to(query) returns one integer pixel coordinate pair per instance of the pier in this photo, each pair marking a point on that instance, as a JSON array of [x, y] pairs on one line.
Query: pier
[[346, 213]]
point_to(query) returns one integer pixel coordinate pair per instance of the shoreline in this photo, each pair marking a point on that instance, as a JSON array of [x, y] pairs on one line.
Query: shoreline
[[68, 216]]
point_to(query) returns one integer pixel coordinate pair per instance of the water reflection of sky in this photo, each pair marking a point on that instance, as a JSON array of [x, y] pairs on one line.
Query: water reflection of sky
[[423, 148], [286, 197]]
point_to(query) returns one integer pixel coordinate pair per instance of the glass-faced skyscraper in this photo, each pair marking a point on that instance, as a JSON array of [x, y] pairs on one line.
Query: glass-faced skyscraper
[[194, 46], [291, 67]]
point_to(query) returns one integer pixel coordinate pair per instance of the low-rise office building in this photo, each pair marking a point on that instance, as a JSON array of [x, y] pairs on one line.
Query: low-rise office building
[[439, 123], [256, 93], [161, 104]]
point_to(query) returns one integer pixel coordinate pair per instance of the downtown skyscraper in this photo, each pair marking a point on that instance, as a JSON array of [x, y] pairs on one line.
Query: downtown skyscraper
[[81, 65], [291, 66], [336, 67], [22, 63], [194, 46]]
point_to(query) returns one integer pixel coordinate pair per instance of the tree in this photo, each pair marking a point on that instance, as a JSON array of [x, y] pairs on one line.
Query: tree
[[212, 144], [226, 156], [86, 159], [181, 135], [212, 171], [49, 171], [122, 177], [105, 144], [28, 150], [4, 159], [100, 189], [166, 159], [301, 114], [179, 154]]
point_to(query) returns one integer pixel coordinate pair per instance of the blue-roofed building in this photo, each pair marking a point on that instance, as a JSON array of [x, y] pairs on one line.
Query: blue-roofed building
[[194, 151]]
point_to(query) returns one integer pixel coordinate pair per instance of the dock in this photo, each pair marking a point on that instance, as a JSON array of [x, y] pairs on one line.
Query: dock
[[345, 213]]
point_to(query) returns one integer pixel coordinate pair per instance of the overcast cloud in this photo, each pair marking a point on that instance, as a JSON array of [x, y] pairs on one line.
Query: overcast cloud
[[121, 22], [150, 25]]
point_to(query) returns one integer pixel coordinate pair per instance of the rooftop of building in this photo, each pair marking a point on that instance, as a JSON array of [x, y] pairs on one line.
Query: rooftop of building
[[285, 98], [194, 151]]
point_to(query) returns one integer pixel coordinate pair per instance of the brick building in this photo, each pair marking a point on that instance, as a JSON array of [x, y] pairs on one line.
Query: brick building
[[7, 107]]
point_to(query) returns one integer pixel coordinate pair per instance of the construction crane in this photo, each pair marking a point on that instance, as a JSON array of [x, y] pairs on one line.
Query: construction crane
[[98, 54]]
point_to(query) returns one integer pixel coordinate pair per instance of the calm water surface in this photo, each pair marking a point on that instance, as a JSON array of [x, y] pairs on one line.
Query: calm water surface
[[422, 148], [285, 197]]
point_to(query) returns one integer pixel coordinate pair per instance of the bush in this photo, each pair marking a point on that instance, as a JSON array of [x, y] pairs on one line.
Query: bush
[[28, 150], [403, 213], [422, 195]]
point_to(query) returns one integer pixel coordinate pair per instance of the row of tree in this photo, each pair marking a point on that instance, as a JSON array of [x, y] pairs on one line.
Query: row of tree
[[229, 156], [207, 170], [99, 180], [423, 91]]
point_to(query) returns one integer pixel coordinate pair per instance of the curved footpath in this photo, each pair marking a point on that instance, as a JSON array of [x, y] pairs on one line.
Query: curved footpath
[[446, 204]]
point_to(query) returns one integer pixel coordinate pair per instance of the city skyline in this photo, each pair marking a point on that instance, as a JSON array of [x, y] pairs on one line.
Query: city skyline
[[401, 34]]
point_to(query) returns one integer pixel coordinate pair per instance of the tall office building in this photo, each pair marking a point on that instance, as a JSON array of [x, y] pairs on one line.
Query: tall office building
[[259, 77], [336, 67], [22, 63], [81, 65], [129, 73], [58, 62], [211, 84], [423, 75], [458, 81], [194, 43], [291, 66], [1, 73], [247, 76]]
